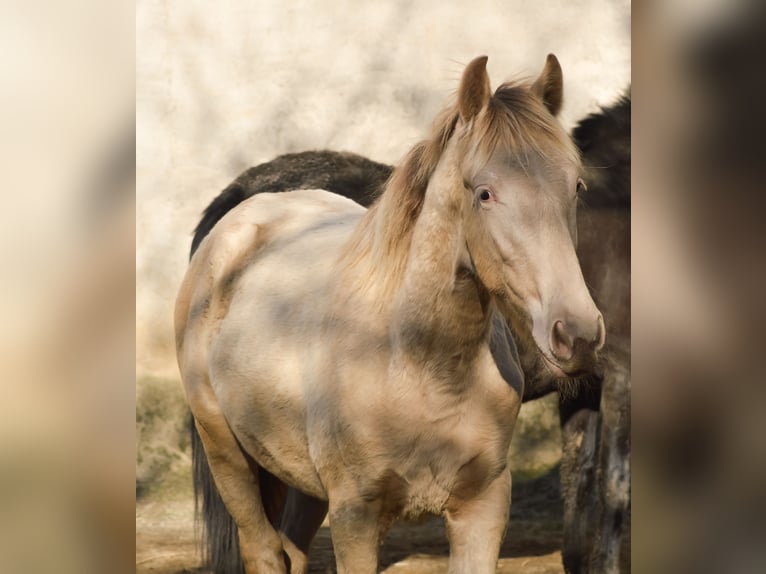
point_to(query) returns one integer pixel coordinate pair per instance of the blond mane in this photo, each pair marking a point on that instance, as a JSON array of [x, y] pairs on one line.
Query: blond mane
[[515, 120]]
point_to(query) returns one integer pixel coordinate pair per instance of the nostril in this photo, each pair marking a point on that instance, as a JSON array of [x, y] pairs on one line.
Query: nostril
[[561, 342], [600, 338]]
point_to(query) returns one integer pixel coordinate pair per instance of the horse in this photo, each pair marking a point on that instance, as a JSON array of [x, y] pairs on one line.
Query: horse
[[351, 175], [595, 418], [595, 451], [358, 359]]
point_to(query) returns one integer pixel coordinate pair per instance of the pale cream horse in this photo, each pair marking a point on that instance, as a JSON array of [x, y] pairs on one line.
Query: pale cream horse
[[348, 354]]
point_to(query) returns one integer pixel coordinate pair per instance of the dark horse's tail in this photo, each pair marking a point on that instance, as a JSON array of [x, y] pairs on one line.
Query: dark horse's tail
[[344, 173], [348, 174], [221, 550]]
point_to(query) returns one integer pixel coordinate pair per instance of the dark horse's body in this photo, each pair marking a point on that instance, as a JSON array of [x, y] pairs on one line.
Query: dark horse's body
[[594, 414], [595, 468]]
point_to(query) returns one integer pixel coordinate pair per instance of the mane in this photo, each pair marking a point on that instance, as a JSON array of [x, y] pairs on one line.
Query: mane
[[519, 123], [515, 121], [604, 139]]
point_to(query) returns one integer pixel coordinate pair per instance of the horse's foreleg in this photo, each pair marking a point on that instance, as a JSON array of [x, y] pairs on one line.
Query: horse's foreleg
[[475, 528], [301, 518], [356, 532]]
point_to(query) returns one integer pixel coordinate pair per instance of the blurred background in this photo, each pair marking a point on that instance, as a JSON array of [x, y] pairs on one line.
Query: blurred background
[[218, 88], [699, 279]]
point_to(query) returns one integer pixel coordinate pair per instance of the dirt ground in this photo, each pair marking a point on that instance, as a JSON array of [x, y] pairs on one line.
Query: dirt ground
[[165, 537]]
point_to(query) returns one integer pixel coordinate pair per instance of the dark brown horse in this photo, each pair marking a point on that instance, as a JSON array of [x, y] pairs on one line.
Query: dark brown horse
[[594, 411], [595, 418]]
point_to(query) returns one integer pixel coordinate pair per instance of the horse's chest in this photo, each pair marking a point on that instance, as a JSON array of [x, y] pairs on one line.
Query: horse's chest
[[410, 434], [459, 454]]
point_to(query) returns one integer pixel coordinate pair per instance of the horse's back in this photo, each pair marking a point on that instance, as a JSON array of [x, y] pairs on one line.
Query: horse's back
[[254, 288], [281, 214]]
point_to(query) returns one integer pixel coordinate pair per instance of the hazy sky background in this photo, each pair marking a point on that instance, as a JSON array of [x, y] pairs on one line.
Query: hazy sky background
[[224, 86]]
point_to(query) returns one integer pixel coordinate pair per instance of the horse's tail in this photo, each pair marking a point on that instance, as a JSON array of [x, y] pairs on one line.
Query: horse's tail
[[219, 532]]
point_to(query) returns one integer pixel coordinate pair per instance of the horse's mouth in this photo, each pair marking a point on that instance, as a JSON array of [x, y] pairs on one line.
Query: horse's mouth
[[557, 371], [511, 313]]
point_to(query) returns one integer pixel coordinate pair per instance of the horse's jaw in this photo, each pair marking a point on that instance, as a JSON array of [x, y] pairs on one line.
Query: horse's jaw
[[540, 371]]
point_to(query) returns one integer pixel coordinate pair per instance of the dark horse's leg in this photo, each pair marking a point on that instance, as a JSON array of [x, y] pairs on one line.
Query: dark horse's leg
[[301, 518], [579, 434], [595, 475], [613, 555]]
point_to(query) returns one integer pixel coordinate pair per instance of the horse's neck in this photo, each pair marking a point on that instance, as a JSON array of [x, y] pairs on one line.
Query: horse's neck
[[441, 306], [416, 280]]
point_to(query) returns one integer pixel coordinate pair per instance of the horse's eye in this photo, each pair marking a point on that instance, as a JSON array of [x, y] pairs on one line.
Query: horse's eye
[[485, 195], [581, 187]]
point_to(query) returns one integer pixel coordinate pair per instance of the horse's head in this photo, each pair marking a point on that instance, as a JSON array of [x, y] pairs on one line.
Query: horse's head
[[521, 179]]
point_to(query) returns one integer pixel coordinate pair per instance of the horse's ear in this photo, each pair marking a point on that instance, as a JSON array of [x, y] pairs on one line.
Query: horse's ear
[[474, 92], [549, 87]]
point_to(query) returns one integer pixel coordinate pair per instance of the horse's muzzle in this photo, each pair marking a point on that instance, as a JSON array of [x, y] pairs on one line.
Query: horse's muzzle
[[574, 344]]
